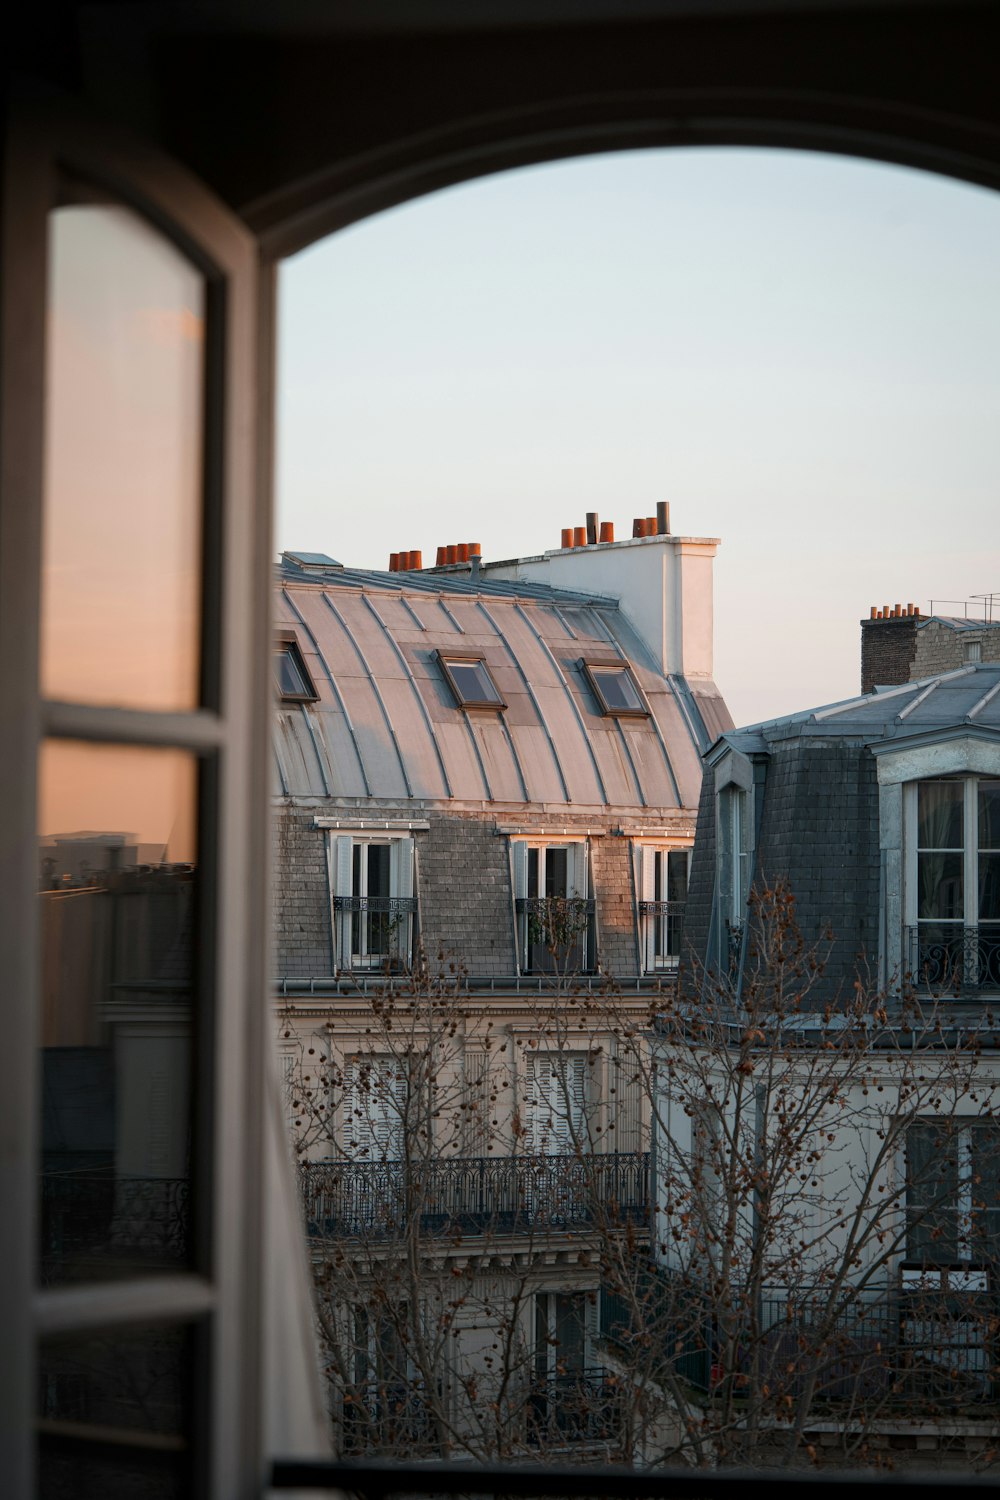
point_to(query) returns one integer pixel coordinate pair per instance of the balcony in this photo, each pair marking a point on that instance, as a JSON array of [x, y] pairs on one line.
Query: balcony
[[376, 931], [906, 1350], [556, 934], [100, 1220], [964, 962], [575, 1406], [474, 1195]]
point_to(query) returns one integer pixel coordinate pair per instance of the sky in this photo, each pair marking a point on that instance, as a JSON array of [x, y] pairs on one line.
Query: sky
[[800, 352]]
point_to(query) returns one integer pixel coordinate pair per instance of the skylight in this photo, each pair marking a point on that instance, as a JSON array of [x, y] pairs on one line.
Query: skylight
[[470, 681], [615, 689], [291, 674]]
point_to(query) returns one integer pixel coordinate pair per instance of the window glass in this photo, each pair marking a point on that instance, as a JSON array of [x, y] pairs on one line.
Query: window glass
[[617, 688], [114, 1415], [118, 917], [471, 681], [290, 672], [939, 815], [125, 393]]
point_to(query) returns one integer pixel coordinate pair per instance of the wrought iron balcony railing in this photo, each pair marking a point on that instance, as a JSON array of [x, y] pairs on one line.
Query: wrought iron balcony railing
[[374, 932], [556, 934], [474, 1195], [967, 960], [575, 1406], [99, 1215], [902, 1349]]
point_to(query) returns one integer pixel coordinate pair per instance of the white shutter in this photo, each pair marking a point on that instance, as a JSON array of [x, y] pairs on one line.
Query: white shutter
[[375, 1105], [577, 877], [532, 1104], [519, 858], [478, 1108], [401, 867], [343, 846], [647, 892], [628, 1101]]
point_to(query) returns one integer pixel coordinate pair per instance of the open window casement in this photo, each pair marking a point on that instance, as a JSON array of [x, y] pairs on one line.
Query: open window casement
[[372, 889], [662, 879], [551, 887]]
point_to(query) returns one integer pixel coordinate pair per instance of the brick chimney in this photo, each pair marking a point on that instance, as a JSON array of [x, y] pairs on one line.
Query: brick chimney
[[888, 646]]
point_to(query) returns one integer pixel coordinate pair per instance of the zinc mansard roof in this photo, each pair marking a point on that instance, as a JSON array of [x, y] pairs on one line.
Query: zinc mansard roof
[[386, 726], [968, 697]]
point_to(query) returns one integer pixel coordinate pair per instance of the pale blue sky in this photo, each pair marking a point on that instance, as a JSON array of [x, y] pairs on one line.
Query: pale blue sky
[[800, 352]]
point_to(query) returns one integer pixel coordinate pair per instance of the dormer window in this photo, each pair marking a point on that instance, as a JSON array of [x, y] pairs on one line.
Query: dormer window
[[470, 680], [953, 882], [615, 688], [291, 674]]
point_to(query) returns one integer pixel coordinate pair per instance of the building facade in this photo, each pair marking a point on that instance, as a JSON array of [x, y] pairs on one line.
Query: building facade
[[486, 787]]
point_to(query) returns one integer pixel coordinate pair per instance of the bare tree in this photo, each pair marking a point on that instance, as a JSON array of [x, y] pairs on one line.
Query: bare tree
[[810, 1276]]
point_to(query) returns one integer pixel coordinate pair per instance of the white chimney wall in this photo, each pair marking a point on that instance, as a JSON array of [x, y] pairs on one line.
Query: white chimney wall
[[663, 584]]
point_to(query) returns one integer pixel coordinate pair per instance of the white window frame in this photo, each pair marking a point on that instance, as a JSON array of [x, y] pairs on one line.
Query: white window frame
[[964, 1205], [350, 955], [577, 885], [966, 966], [656, 929], [374, 1107]]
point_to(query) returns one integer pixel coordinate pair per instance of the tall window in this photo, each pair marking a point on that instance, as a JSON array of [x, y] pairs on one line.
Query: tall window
[[735, 853], [952, 1192], [953, 895], [556, 1098], [555, 915], [374, 908], [376, 1095], [663, 882]]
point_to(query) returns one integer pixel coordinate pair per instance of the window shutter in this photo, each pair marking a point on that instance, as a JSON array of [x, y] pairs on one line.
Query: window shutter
[[375, 1101], [519, 857], [577, 872], [478, 1104], [343, 845], [628, 1102], [647, 892], [401, 867]]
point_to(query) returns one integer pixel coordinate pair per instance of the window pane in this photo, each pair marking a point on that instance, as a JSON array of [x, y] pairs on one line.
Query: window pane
[[618, 689], [989, 887], [114, 1415], [939, 886], [939, 815], [677, 875], [473, 682], [291, 681], [118, 913], [121, 601], [932, 1161], [989, 815]]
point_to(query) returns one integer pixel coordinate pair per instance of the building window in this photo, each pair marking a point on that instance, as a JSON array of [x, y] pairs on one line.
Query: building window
[[470, 681], [291, 674], [374, 907], [556, 1104], [572, 1399], [663, 883], [952, 1192], [972, 651], [953, 882], [555, 914], [615, 688], [735, 856], [375, 1103]]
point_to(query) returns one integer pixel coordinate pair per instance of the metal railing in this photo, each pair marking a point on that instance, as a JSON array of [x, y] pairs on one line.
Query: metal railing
[[474, 1195], [374, 932], [92, 1214], [917, 1349], [967, 961], [575, 1406], [556, 933]]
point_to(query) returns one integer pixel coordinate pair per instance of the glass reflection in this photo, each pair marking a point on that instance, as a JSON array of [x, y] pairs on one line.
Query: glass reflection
[[113, 1415], [121, 598], [118, 912]]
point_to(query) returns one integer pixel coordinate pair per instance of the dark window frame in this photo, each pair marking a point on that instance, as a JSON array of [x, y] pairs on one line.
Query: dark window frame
[[469, 658], [590, 666], [286, 644]]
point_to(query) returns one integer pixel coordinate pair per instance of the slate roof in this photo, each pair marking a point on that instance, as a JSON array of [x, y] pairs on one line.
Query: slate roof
[[386, 726], [970, 695]]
